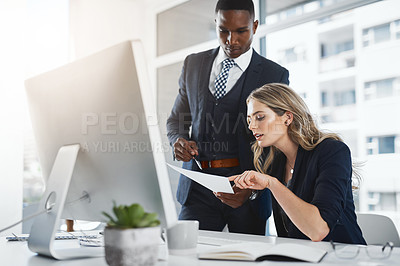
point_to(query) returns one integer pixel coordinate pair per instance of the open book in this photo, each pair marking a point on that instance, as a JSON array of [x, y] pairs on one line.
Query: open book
[[258, 251]]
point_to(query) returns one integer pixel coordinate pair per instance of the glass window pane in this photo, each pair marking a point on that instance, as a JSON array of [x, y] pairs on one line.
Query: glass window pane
[[324, 99], [397, 28], [273, 11], [263, 43], [366, 37], [384, 88], [185, 25], [382, 33], [388, 201], [345, 97], [386, 144], [290, 55], [379, 89], [167, 90], [167, 87]]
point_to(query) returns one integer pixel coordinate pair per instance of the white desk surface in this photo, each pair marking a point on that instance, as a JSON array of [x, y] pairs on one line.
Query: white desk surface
[[17, 253]]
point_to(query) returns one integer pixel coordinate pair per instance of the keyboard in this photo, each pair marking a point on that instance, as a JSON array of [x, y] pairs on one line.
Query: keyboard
[[59, 236], [216, 241]]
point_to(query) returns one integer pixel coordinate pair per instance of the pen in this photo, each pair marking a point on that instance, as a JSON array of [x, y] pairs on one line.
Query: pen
[[198, 163]]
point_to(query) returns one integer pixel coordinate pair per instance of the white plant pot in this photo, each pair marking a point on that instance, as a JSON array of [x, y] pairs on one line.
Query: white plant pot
[[133, 247]]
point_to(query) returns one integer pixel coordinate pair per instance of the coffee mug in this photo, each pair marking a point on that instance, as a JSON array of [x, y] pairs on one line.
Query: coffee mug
[[182, 237]]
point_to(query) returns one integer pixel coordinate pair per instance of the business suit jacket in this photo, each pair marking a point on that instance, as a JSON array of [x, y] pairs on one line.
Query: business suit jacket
[[321, 177], [189, 108]]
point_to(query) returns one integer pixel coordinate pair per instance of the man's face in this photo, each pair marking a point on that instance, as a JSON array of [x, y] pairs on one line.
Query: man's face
[[235, 30]]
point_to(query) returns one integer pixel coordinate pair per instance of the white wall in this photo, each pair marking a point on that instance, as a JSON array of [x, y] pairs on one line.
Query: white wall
[[12, 15], [98, 24]]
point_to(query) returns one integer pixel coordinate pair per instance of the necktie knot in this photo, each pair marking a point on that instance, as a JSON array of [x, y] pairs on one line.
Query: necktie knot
[[228, 63], [222, 78]]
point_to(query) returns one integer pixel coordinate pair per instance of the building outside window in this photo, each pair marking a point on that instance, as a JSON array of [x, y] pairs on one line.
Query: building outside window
[[397, 28], [380, 88], [381, 145], [381, 33], [336, 48], [344, 97], [383, 201]]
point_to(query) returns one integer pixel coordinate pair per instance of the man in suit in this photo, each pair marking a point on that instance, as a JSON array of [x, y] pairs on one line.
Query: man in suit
[[208, 122]]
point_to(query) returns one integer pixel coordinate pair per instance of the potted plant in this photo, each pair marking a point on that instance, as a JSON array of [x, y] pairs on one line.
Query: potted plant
[[132, 237]]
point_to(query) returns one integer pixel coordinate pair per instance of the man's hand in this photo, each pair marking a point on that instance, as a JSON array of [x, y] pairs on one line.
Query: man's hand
[[234, 200], [185, 150]]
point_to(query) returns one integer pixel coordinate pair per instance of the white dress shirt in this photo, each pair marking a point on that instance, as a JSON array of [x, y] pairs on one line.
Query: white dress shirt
[[241, 64]]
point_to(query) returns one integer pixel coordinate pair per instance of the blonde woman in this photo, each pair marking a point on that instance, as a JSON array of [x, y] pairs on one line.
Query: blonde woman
[[308, 172]]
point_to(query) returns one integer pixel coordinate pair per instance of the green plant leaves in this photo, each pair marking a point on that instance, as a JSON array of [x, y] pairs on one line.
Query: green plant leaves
[[132, 216]]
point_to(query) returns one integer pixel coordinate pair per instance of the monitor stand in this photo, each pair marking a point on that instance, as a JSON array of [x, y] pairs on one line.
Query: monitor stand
[[45, 226]]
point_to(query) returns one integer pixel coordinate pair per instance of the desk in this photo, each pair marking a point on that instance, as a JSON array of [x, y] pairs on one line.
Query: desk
[[17, 253]]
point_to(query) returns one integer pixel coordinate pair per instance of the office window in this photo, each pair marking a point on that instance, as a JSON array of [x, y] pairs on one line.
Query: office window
[[271, 11], [381, 33], [366, 37], [339, 98], [167, 80], [382, 201], [379, 89], [336, 98], [371, 145], [344, 97], [330, 49], [381, 145], [397, 28], [386, 144], [292, 54], [376, 34], [291, 12], [324, 99], [185, 25], [336, 45], [263, 43]]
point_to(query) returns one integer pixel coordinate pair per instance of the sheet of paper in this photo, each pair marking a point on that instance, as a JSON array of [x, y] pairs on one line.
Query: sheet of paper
[[213, 182]]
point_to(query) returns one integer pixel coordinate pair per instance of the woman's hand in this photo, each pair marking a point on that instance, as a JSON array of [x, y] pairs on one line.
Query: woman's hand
[[251, 180]]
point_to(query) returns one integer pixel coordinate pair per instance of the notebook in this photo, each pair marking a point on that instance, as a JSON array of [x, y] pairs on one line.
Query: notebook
[[258, 251]]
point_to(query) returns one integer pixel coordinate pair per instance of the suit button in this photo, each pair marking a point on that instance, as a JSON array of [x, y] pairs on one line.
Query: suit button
[[216, 103]]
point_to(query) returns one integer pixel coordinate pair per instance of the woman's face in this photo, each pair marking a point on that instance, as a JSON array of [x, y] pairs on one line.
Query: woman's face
[[268, 128]]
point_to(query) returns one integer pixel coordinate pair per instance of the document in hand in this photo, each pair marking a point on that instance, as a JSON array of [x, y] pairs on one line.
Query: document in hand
[[257, 251], [213, 182]]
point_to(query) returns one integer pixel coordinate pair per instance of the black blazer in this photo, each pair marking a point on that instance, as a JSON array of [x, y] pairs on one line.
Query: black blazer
[[189, 107], [321, 177]]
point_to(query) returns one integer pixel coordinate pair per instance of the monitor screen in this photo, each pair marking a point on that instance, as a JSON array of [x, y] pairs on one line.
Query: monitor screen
[[104, 103]]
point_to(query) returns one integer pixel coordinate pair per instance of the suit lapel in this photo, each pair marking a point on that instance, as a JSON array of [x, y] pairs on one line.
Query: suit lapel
[[252, 80], [203, 82]]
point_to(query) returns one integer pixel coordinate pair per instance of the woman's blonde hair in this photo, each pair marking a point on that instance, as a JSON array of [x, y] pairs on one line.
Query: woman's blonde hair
[[303, 130]]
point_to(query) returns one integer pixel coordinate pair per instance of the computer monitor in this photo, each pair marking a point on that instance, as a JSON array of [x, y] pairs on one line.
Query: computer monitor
[[98, 141]]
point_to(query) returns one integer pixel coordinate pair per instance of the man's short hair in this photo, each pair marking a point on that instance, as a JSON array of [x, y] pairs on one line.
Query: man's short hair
[[235, 5]]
